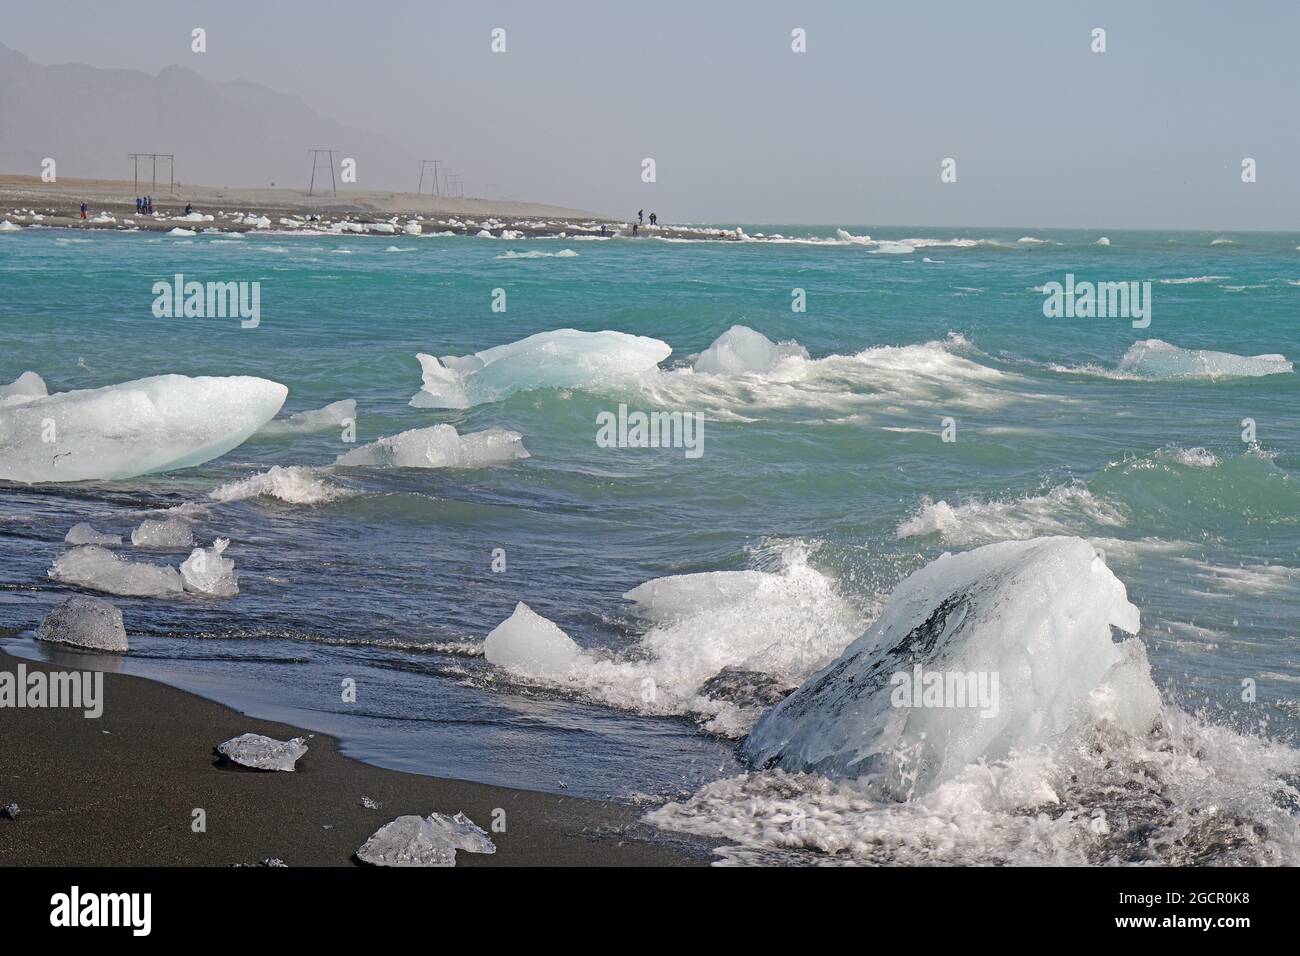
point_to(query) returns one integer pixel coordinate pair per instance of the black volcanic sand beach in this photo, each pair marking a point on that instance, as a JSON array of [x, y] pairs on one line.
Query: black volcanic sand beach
[[121, 790]]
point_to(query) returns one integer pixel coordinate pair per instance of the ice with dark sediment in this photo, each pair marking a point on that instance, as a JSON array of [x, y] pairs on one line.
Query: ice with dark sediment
[[139, 427], [264, 753], [1002, 648], [439, 446], [96, 569], [563, 358], [424, 841], [85, 622], [84, 533]]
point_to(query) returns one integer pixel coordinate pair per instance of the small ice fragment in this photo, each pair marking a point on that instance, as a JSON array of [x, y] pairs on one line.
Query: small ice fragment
[[464, 832], [439, 446], [263, 753], [316, 419], [85, 622], [207, 572], [370, 803], [9, 811], [170, 533], [83, 533]]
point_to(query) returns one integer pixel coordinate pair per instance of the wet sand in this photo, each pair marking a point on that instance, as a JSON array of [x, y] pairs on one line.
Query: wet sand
[[122, 790]]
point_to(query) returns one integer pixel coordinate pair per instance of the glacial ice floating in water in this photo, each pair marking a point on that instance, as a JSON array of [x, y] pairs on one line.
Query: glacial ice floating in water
[[332, 415], [135, 428], [439, 446], [740, 350], [24, 388], [264, 753], [170, 533], [564, 358], [94, 568], [1153, 358], [87, 622], [531, 645], [1006, 646], [207, 572], [424, 841], [84, 533]]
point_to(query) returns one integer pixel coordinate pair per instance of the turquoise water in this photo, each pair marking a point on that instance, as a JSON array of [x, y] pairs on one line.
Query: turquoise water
[[829, 472]]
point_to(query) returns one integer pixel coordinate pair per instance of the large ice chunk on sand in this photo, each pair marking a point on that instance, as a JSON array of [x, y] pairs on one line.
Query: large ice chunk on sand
[[263, 753], [564, 358], [1152, 358], [529, 644], [87, 622], [98, 570], [439, 446], [424, 841], [207, 572], [168, 533], [25, 388], [121, 431], [1019, 636], [740, 349]]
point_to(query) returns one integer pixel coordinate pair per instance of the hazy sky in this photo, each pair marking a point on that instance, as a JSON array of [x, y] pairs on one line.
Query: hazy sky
[[1045, 132]]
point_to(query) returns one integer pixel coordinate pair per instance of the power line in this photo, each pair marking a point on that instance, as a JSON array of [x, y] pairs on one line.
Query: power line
[[153, 158], [316, 160], [425, 163]]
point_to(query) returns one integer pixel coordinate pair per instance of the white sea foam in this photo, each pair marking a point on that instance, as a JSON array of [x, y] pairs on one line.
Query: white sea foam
[[1065, 509], [719, 646], [293, 484], [1192, 280], [537, 254]]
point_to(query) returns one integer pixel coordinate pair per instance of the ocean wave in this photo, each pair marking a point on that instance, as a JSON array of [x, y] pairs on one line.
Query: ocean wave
[[719, 644], [1192, 280], [1075, 759], [1065, 509], [292, 484], [537, 254]]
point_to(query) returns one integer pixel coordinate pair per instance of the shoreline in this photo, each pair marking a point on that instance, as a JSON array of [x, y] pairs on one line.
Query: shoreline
[[28, 202], [122, 789]]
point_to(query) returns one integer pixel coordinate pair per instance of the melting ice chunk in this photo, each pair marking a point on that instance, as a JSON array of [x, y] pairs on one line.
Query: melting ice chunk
[[263, 753], [740, 349], [529, 644], [83, 533], [1002, 647], [85, 622], [439, 447], [424, 841], [1152, 358], [170, 533], [564, 358], [26, 387], [99, 570], [314, 420], [207, 572], [136, 428]]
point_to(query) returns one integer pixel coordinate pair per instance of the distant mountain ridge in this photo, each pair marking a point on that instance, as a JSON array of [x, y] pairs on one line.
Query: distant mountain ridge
[[233, 133]]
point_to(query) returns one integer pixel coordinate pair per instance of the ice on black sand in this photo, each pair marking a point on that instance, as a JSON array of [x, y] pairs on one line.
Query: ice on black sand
[[263, 753], [425, 841], [87, 622]]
